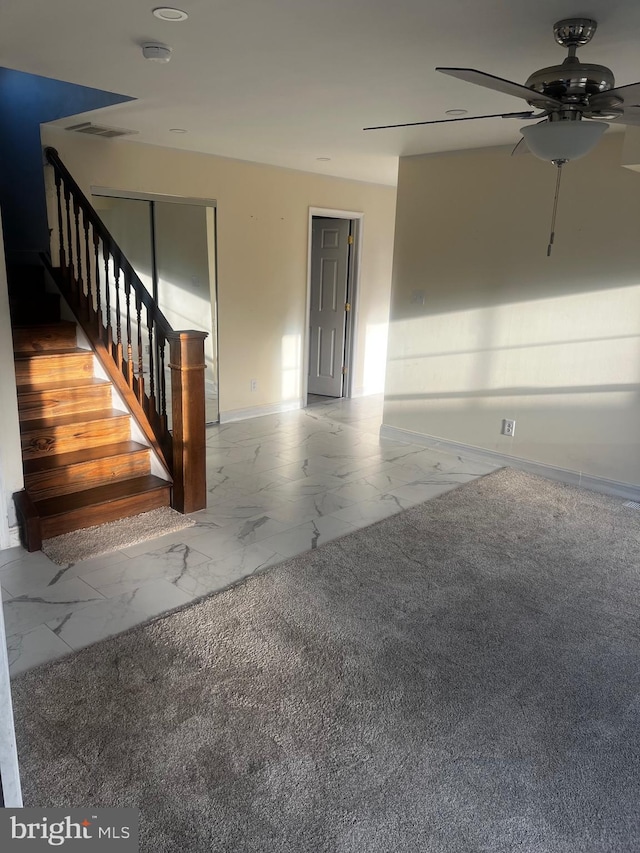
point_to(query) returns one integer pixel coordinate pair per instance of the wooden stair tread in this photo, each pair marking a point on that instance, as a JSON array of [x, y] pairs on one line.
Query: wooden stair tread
[[69, 420], [77, 457], [48, 365], [24, 355], [62, 385], [44, 337], [50, 507], [46, 325]]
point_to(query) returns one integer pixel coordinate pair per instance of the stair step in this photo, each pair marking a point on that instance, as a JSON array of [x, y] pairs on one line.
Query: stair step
[[81, 467], [25, 279], [25, 309], [72, 363], [44, 336], [68, 433], [48, 476], [49, 399], [86, 508]]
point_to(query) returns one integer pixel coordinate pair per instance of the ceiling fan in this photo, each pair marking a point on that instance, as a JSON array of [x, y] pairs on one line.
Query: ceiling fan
[[565, 95]]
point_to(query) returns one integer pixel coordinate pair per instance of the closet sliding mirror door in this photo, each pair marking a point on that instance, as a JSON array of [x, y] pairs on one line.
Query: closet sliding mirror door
[[171, 246]]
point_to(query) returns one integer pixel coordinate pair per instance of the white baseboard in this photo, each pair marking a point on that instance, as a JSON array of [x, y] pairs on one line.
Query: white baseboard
[[9, 768], [10, 538], [362, 391], [628, 491], [259, 411]]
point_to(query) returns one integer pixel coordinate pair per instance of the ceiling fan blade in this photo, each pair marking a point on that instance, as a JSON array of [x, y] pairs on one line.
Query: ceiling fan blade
[[523, 115], [520, 147], [630, 116], [629, 95], [498, 84]]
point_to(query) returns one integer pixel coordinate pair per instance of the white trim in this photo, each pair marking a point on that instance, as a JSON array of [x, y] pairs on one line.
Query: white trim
[[4, 519], [259, 411], [9, 768], [354, 272], [333, 213], [108, 192], [551, 472], [9, 535], [361, 391]]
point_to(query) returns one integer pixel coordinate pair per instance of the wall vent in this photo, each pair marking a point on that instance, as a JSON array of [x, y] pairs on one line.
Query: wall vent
[[100, 130]]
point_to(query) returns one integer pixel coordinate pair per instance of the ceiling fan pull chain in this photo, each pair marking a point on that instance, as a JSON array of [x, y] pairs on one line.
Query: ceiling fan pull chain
[[559, 164]]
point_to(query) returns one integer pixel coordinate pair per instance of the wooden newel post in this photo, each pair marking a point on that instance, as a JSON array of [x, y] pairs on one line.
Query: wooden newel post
[[186, 360]]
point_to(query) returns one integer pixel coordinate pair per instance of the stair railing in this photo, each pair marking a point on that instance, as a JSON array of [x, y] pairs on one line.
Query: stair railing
[[131, 336]]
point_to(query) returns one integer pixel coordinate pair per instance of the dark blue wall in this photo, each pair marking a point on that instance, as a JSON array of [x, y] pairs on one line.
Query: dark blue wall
[[26, 101]]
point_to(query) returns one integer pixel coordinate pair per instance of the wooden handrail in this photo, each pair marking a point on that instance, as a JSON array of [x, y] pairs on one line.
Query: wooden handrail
[[118, 314]]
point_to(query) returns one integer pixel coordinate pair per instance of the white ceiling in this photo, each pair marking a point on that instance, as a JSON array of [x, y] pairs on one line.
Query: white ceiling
[[288, 81]]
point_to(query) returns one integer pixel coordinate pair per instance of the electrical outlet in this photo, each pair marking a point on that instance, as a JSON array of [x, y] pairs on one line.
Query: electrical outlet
[[254, 384], [508, 427]]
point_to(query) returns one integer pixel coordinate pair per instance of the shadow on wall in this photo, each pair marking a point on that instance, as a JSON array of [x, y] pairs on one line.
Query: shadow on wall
[[567, 369]]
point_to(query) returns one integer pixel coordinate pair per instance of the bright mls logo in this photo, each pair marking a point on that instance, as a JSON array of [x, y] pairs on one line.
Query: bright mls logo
[[72, 829]]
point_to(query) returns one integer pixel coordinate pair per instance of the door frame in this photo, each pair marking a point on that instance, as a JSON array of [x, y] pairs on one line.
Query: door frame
[[356, 218]]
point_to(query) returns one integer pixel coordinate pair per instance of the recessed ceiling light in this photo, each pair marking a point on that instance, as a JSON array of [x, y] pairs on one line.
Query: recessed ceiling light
[[177, 130], [166, 13], [324, 159], [456, 112]]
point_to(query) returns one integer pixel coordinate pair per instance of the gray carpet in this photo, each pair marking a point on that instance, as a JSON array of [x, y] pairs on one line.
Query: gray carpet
[[104, 538], [462, 677]]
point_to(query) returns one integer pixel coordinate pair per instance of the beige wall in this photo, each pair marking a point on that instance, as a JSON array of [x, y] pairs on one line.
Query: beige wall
[[262, 255], [505, 331]]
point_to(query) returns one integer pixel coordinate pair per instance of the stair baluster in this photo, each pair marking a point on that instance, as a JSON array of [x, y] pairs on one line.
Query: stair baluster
[[76, 217], [87, 246], [140, 383], [152, 384], [127, 293], [62, 260], [107, 289], [69, 267], [118, 355], [162, 383], [96, 248]]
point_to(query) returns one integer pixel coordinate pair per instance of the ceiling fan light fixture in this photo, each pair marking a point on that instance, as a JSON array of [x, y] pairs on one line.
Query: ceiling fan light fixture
[[563, 140]]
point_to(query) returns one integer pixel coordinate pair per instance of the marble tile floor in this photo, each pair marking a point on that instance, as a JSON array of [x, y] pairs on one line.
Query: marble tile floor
[[278, 485]]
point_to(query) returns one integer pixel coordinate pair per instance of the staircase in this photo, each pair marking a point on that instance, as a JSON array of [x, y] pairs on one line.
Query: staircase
[[81, 467]]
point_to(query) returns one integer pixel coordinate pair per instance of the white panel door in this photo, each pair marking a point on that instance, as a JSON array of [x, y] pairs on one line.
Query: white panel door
[[327, 326]]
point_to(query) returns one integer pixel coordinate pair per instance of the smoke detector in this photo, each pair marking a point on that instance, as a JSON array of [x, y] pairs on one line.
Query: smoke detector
[[156, 52]]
